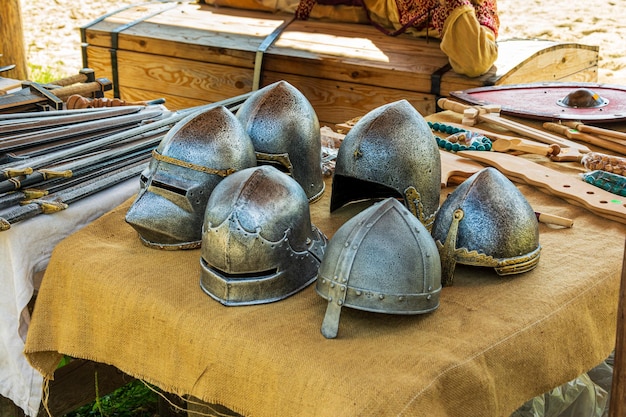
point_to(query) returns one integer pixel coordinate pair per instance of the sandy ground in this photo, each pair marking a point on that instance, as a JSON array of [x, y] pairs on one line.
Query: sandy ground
[[52, 37]]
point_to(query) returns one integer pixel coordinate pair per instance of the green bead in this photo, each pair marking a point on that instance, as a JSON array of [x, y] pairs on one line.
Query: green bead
[[455, 147]]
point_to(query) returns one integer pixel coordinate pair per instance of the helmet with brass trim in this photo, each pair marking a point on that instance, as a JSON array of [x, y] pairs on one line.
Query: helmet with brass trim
[[285, 132], [258, 242], [390, 152], [192, 158], [487, 221], [382, 260]]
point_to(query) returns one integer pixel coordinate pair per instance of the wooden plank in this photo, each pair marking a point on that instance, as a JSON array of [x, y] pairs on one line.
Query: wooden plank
[[335, 102], [174, 76], [545, 64], [198, 53], [172, 102], [192, 31]]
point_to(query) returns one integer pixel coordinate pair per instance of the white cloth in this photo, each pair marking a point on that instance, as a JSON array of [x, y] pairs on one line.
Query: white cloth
[[24, 251]]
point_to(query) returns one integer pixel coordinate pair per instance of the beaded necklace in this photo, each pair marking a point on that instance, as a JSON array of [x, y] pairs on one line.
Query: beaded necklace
[[460, 139]]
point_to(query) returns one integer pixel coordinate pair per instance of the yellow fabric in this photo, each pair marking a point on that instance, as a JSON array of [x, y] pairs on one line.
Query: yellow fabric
[[471, 48], [492, 344], [477, 52]]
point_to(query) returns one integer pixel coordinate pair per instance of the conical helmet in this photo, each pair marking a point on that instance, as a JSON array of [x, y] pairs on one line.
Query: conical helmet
[[193, 157], [487, 221], [258, 243], [285, 133], [382, 260], [390, 152]]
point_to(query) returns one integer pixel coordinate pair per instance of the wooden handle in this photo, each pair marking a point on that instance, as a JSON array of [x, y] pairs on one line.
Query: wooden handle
[[573, 133], [554, 219], [513, 126], [454, 106], [596, 130], [527, 146], [80, 89], [74, 79]]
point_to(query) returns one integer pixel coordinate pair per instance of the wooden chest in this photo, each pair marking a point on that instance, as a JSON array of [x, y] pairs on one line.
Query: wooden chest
[[191, 54]]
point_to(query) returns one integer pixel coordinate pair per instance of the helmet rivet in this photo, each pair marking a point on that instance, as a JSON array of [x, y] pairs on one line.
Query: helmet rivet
[[323, 280], [401, 298], [359, 292], [339, 302], [346, 244], [336, 278], [430, 288], [380, 297], [343, 288], [428, 297], [332, 285]]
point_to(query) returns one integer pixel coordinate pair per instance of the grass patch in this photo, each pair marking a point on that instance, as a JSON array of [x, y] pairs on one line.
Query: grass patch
[[44, 75], [134, 399]]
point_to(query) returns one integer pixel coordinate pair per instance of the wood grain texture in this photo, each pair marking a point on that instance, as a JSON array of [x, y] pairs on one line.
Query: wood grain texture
[[198, 52], [12, 40]]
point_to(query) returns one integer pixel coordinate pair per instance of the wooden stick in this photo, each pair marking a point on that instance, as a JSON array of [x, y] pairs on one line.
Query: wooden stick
[[519, 128], [576, 134], [617, 404], [596, 130], [554, 219], [503, 143]]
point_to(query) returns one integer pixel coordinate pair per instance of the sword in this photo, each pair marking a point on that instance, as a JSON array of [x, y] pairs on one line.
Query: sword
[[66, 170], [8, 171], [54, 185], [61, 118], [28, 139], [61, 199]]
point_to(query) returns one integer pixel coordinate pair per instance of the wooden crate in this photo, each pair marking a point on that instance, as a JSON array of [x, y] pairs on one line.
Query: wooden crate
[[191, 54]]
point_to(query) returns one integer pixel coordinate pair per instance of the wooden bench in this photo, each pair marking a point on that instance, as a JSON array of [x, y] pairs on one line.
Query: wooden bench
[[191, 54]]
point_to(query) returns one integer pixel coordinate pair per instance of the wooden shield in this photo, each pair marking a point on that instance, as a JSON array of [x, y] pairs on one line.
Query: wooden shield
[[585, 102]]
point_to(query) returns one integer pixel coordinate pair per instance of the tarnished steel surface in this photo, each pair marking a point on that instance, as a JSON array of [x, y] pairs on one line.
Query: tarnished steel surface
[[382, 260], [194, 156], [258, 243], [487, 221], [390, 152], [285, 133]]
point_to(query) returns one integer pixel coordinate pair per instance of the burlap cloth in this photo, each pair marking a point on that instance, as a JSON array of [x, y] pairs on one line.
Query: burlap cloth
[[493, 343]]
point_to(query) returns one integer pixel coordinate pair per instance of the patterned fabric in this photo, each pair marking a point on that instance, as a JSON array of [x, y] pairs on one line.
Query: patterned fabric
[[420, 14]]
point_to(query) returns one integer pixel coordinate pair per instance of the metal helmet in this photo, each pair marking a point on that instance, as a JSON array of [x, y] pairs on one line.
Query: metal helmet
[[258, 243], [390, 152], [382, 260], [193, 157], [487, 221], [285, 133]]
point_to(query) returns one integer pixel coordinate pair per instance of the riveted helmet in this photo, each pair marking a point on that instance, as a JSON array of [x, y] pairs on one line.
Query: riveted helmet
[[258, 243], [285, 132], [193, 157], [487, 221], [390, 152], [382, 260]]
